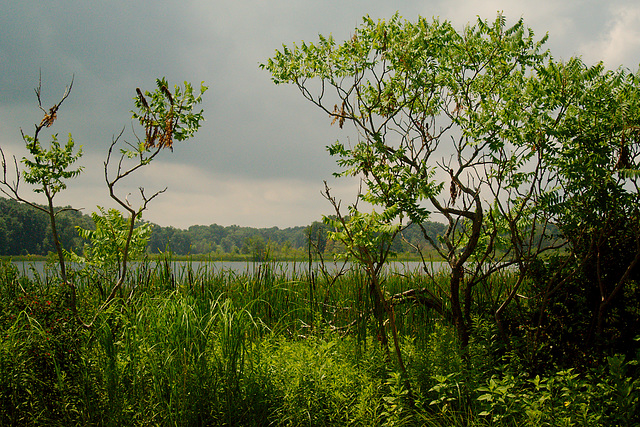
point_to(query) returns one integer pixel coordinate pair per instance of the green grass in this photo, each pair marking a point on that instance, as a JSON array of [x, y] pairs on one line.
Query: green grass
[[270, 347]]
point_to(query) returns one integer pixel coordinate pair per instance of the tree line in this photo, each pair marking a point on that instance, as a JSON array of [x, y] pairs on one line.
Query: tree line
[[26, 231]]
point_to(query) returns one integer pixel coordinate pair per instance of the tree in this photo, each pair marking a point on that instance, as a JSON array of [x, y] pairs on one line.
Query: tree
[[593, 162], [368, 238], [259, 249], [165, 117], [47, 170], [447, 123], [28, 230], [108, 241]]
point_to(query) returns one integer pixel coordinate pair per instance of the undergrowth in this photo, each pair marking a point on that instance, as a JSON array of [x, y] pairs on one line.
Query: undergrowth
[[264, 348]]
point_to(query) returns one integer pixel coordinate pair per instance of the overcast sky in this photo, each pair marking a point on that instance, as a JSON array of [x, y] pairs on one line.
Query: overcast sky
[[259, 160]]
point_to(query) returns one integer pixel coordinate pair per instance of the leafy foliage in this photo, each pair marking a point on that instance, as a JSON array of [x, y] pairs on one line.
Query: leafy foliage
[[438, 109], [593, 194], [49, 168], [367, 236], [46, 169], [109, 238], [166, 116], [210, 347]]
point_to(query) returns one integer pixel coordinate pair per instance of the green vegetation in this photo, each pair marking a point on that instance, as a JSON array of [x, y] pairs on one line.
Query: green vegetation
[[533, 320], [487, 129], [167, 117], [24, 231], [46, 169], [278, 347]]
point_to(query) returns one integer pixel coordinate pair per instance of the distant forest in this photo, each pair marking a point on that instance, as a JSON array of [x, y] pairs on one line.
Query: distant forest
[[26, 231]]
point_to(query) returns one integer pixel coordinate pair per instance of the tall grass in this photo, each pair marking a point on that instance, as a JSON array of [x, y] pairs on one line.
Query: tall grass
[[270, 346]]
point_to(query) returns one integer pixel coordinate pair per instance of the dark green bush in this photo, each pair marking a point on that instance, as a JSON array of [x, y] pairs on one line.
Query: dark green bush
[[40, 354]]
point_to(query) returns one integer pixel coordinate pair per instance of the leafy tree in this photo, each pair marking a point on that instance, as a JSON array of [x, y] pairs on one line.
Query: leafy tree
[[593, 159], [47, 170], [28, 231], [259, 249], [180, 242], [448, 123], [108, 240], [165, 117], [316, 238], [104, 254], [368, 238]]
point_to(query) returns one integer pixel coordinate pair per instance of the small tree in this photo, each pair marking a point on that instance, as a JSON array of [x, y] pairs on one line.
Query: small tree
[[165, 117], [47, 170], [109, 238], [367, 238], [105, 253]]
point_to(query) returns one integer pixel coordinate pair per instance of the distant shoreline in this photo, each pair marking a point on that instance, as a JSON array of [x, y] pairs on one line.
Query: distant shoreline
[[213, 257]]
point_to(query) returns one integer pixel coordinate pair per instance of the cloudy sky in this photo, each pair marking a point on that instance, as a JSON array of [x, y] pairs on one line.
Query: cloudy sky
[[259, 160]]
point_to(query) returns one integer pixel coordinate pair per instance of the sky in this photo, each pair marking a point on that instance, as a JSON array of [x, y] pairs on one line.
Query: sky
[[259, 159]]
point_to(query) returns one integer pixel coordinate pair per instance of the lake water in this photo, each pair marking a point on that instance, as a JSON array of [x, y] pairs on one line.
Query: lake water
[[33, 268]]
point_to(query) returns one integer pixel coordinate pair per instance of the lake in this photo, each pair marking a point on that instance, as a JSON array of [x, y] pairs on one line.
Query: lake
[[31, 268]]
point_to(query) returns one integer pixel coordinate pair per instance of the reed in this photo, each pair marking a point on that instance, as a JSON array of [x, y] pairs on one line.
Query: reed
[[273, 345]]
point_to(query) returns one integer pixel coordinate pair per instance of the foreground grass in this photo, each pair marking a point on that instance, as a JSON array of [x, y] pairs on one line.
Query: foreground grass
[[271, 347]]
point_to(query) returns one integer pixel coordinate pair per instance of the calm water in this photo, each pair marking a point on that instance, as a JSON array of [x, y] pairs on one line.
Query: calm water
[[31, 268]]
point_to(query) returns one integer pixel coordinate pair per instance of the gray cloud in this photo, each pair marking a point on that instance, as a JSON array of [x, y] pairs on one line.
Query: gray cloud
[[259, 159]]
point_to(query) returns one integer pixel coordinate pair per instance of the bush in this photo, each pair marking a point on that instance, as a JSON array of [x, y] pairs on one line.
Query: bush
[[40, 354]]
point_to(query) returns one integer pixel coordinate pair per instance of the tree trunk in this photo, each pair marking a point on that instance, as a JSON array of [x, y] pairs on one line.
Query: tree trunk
[[462, 328]]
